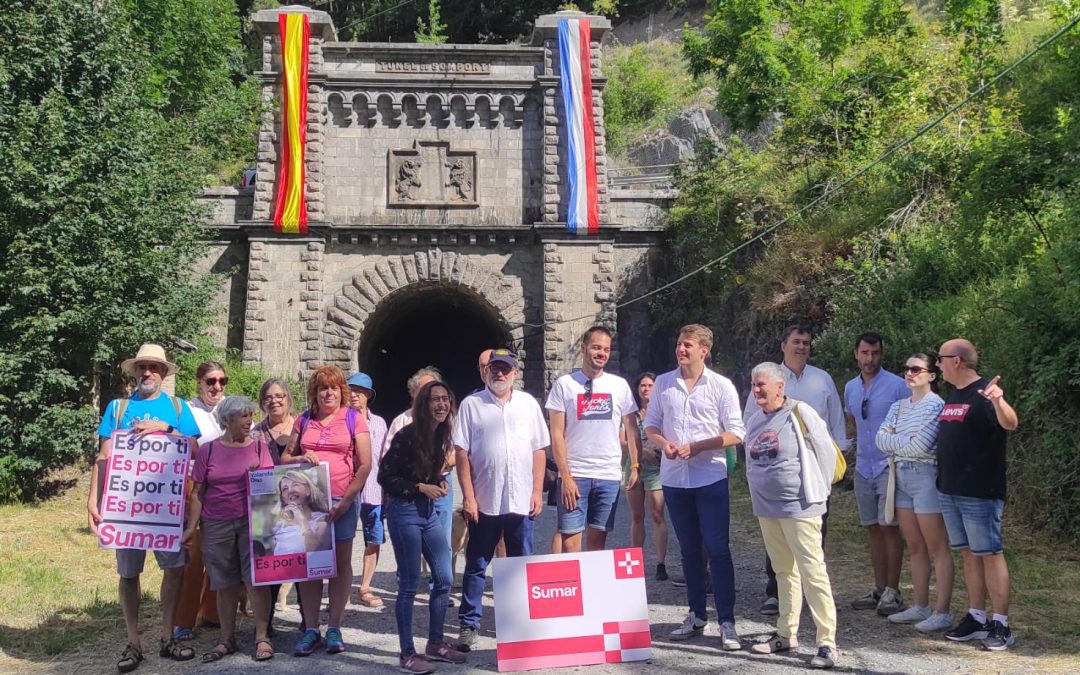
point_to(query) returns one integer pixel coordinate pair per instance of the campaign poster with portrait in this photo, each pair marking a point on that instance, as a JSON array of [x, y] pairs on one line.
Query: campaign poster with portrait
[[292, 538], [142, 498], [571, 609]]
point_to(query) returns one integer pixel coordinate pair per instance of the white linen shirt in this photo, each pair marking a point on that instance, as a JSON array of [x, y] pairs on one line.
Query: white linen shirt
[[209, 429], [706, 411], [816, 388], [500, 439]]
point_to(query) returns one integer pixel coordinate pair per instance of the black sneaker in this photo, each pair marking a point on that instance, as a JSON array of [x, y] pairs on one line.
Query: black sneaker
[[466, 638], [968, 629], [679, 581], [661, 572], [826, 658], [999, 637]]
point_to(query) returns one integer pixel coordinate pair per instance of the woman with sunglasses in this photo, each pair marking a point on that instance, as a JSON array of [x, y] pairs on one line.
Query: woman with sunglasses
[[908, 436], [412, 476], [197, 600]]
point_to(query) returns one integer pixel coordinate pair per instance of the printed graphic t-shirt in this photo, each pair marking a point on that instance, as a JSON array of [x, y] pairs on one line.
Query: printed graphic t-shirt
[[970, 446], [593, 422]]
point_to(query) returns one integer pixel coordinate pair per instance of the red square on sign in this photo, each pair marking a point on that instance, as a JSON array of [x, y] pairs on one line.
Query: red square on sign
[[554, 589], [629, 563]]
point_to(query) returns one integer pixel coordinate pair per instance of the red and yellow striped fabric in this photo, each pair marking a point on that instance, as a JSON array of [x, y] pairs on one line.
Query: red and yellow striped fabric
[[290, 210]]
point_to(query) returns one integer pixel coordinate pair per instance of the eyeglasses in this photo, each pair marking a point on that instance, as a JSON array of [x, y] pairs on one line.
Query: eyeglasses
[[274, 397], [947, 356], [440, 399], [914, 370], [865, 407], [211, 381], [588, 388]]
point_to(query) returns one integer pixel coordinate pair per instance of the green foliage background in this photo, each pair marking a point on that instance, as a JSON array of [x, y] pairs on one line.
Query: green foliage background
[[974, 231], [112, 116]]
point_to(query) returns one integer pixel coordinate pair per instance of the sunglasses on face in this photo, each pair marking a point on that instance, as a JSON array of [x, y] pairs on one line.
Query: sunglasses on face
[[914, 370], [211, 381]]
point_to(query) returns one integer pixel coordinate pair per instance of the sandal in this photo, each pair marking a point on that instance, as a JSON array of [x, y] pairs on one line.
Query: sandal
[[264, 653], [368, 599], [172, 649], [222, 649], [130, 659]]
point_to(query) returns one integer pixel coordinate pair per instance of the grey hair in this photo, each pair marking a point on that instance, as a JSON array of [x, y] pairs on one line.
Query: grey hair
[[414, 382], [769, 369], [231, 406]]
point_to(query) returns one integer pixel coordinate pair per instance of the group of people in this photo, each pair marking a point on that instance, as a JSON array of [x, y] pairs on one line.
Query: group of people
[[935, 467]]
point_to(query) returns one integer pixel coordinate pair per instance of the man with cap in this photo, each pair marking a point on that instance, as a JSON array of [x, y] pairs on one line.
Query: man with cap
[[362, 392], [148, 410], [500, 438]]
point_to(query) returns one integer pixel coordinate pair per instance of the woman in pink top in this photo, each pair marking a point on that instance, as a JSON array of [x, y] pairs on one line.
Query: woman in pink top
[[332, 432], [219, 501]]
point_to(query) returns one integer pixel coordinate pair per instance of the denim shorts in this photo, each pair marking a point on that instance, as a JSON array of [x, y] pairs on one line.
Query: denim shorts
[[916, 487], [345, 525], [973, 523], [130, 561], [870, 497], [597, 503], [371, 517]]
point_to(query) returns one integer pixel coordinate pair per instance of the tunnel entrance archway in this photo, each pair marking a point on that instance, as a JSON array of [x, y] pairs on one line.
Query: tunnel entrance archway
[[440, 324]]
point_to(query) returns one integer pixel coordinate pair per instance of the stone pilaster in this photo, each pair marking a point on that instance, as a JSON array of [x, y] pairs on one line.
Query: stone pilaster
[[311, 309], [604, 281], [254, 313], [315, 143], [554, 340]]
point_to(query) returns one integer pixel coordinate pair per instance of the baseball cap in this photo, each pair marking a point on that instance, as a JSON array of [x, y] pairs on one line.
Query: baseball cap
[[362, 380], [503, 356]]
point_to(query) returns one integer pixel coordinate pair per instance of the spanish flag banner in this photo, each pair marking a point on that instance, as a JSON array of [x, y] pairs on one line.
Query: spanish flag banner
[[290, 210]]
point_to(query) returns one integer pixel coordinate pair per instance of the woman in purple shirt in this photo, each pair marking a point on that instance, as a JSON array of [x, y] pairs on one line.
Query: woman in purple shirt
[[219, 501]]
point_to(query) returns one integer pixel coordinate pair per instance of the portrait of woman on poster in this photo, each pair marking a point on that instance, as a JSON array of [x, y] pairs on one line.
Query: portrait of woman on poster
[[301, 514]]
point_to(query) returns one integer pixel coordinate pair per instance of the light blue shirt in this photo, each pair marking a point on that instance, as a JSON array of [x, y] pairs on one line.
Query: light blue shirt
[[884, 390]]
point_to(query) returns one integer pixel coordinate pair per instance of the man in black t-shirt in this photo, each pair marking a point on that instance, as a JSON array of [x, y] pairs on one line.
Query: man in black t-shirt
[[971, 479]]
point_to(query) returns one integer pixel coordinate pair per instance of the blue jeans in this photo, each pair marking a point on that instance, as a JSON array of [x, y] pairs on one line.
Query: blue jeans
[[596, 504], [414, 530], [701, 517], [444, 512], [483, 537], [973, 523]]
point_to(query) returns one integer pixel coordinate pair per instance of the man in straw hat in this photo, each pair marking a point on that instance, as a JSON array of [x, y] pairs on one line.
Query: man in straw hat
[[147, 410]]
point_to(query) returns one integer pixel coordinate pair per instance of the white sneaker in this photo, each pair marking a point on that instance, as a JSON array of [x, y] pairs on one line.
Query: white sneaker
[[912, 614], [937, 622], [729, 639], [690, 627]]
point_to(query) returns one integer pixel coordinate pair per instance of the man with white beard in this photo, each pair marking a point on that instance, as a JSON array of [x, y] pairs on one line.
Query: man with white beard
[[500, 438]]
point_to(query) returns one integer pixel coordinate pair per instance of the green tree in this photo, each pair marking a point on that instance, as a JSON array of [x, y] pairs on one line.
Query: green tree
[[432, 31], [100, 159]]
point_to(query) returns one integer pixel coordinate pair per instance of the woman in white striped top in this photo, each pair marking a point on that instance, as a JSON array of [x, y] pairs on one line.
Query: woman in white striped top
[[908, 435]]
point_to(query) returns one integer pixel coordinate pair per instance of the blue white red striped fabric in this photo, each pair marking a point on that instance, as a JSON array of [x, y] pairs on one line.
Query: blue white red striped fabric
[[583, 210]]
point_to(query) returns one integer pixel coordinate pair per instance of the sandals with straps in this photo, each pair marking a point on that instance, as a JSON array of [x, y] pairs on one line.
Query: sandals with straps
[[368, 599], [172, 649], [222, 649], [130, 659], [264, 653]]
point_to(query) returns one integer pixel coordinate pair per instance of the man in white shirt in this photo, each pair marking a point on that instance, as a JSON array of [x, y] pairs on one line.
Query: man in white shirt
[[815, 387], [586, 409], [500, 439], [693, 416]]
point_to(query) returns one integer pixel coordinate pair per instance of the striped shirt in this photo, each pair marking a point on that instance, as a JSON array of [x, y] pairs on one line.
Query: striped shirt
[[910, 430]]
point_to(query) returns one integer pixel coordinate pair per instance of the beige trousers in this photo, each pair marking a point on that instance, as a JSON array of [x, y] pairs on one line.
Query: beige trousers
[[794, 544]]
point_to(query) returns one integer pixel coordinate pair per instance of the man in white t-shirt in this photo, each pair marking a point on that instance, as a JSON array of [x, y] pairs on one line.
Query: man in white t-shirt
[[586, 409], [500, 439]]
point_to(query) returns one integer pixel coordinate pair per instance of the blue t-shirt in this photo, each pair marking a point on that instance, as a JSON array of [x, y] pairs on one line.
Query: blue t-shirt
[[159, 409], [883, 391]]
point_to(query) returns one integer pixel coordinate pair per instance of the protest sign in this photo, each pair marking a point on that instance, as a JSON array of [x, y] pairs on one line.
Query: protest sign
[[292, 538], [571, 609], [142, 504]]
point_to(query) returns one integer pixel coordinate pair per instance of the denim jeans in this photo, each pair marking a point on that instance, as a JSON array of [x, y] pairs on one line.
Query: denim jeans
[[483, 537], [701, 517], [444, 512], [415, 529]]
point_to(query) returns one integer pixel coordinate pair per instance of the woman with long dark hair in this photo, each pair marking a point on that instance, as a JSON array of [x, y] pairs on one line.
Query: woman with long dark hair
[[648, 489], [411, 474]]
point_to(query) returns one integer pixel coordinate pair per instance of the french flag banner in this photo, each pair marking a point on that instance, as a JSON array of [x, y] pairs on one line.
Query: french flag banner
[[583, 210]]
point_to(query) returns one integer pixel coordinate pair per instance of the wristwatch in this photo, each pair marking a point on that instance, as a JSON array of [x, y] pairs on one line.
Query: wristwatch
[[169, 429]]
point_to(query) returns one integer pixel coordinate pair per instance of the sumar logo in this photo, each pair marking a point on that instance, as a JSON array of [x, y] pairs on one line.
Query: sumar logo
[[554, 589]]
